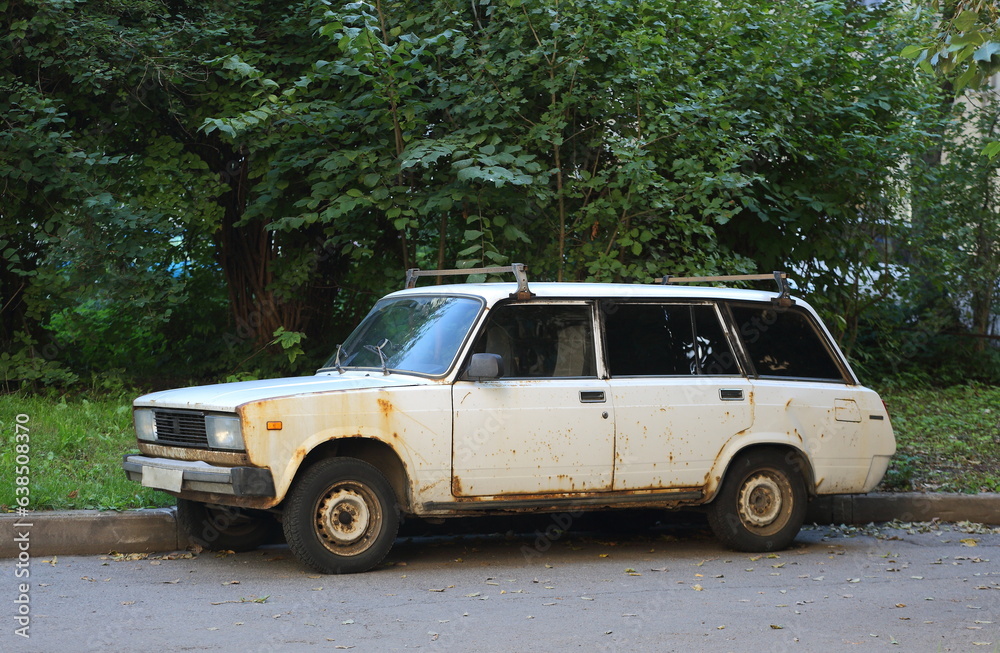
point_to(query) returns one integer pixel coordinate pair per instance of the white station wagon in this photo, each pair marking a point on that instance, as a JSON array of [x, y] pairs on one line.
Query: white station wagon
[[493, 398]]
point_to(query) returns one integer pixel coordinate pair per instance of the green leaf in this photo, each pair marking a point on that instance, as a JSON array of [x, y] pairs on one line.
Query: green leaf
[[965, 78], [966, 21], [495, 257], [472, 172], [992, 149], [986, 52]]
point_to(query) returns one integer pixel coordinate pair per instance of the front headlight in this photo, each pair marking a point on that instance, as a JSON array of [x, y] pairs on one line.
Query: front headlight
[[145, 424], [224, 432]]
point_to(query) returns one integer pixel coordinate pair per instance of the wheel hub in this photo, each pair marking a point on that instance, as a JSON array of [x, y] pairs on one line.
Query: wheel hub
[[760, 501], [343, 517]]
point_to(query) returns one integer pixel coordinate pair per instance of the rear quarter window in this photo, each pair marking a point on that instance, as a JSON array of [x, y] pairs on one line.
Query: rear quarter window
[[785, 343]]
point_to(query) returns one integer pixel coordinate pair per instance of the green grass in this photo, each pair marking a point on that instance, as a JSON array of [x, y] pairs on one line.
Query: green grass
[[948, 441], [76, 450]]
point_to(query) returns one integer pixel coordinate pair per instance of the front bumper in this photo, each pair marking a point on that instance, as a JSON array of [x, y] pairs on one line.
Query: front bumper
[[198, 476]]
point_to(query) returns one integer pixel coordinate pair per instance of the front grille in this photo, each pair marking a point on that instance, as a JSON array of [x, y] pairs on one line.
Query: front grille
[[181, 428]]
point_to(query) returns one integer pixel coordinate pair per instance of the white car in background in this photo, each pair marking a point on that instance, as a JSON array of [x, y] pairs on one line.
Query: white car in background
[[494, 398]]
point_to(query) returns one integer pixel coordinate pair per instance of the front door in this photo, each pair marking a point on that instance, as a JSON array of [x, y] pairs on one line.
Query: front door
[[547, 425]]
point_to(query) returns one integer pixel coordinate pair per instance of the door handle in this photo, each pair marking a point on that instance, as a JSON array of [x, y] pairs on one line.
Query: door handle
[[731, 394], [592, 397]]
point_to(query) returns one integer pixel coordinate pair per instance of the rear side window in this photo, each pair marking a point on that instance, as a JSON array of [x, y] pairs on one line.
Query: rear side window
[[666, 340], [785, 344]]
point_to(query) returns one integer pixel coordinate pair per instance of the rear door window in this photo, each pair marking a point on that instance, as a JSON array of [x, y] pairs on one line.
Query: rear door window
[[666, 340]]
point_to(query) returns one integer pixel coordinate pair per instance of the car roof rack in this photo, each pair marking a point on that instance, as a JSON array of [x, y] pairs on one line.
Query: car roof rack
[[781, 278], [519, 270]]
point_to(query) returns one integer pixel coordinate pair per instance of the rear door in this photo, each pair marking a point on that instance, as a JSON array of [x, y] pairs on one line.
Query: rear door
[[679, 395]]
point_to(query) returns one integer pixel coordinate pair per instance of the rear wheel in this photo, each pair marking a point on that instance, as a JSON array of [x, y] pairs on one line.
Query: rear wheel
[[341, 516], [222, 528], [761, 505]]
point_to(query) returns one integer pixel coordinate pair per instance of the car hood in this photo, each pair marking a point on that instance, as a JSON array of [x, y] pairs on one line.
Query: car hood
[[226, 397]]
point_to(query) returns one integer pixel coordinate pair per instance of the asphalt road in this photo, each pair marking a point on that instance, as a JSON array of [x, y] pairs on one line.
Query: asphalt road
[[670, 588]]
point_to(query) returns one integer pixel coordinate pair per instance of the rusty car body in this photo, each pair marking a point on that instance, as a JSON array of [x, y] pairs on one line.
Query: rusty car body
[[484, 398]]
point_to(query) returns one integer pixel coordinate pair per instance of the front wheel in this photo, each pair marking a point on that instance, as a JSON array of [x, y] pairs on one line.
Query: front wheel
[[220, 528], [341, 516], [761, 505]]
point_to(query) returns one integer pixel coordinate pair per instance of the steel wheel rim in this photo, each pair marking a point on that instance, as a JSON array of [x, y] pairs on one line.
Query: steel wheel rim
[[764, 502], [347, 518]]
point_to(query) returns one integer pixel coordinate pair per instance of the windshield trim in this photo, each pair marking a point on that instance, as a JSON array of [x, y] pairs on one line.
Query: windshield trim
[[459, 352]]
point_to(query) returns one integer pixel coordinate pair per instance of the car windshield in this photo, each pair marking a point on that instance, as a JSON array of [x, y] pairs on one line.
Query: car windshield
[[410, 334]]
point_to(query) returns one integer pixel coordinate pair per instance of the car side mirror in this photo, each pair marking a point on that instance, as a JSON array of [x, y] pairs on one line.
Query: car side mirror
[[485, 367]]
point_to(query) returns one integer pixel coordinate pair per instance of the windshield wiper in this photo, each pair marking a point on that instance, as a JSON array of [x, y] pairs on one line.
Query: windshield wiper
[[381, 355], [336, 360]]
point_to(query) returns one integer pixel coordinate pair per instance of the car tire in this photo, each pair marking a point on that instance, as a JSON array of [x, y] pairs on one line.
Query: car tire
[[341, 517], [761, 505], [225, 528]]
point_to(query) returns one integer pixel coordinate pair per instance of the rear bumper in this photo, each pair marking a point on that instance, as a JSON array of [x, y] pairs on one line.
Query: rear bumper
[[196, 476], [879, 466]]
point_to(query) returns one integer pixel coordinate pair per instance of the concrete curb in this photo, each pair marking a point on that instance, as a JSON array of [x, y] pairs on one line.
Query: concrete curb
[[89, 532], [909, 506], [85, 532]]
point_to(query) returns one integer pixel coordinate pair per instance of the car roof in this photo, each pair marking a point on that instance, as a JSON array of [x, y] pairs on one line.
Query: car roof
[[494, 292]]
